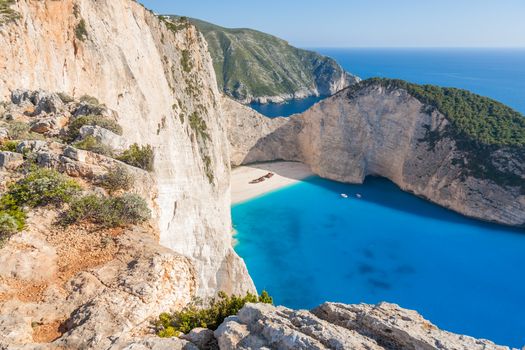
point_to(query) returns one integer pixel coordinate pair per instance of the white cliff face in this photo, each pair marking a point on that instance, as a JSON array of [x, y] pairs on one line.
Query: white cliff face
[[155, 79], [380, 132]]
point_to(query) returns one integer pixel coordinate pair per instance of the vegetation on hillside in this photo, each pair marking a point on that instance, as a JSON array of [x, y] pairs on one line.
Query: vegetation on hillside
[[479, 126], [251, 63], [7, 14], [128, 209], [209, 316], [479, 118], [39, 187], [138, 156]]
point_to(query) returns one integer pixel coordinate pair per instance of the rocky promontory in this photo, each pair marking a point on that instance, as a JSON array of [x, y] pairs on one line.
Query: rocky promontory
[[381, 129]]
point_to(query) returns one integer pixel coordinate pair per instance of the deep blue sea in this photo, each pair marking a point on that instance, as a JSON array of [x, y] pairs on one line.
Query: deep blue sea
[[306, 245], [496, 73]]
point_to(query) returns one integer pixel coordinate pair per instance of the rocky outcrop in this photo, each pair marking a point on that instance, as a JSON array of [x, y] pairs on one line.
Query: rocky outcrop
[[339, 326], [162, 85], [385, 132]]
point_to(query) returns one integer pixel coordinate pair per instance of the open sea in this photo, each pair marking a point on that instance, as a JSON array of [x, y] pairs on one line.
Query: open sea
[[496, 73], [306, 245]]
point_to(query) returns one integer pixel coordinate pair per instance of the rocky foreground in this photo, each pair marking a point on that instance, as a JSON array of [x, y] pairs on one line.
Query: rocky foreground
[[338, 326]]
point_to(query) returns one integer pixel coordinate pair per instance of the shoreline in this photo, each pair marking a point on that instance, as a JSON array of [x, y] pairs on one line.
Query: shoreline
[[285, 174]]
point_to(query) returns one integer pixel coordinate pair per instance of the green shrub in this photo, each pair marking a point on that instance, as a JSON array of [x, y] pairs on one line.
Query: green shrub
[[7, 14], [8, 227], [118, 178], [81, 31], [128, 209], [9, 146], [89, 99], [22, 131], [211, 316], [185, 61], [91, 143], [98, 120], [138, 156], [65, 98], [38, 188]]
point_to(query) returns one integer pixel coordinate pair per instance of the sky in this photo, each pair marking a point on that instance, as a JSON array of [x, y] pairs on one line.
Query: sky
[[366, 23]]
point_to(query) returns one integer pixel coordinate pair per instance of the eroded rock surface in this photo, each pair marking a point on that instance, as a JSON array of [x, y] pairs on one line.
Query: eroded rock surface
[[339, 326]]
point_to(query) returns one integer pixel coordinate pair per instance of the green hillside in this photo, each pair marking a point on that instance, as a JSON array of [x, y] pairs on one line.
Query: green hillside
[[250, 64]]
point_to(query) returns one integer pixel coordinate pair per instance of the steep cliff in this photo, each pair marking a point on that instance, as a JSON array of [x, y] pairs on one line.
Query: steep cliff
[[162, 85], [383, 130], [252, 66]]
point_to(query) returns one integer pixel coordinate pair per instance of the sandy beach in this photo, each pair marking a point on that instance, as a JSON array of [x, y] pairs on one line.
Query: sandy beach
[[286, 173]]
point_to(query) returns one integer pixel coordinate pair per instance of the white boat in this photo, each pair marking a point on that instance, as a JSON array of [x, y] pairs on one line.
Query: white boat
[[358, 195], [344, 195]]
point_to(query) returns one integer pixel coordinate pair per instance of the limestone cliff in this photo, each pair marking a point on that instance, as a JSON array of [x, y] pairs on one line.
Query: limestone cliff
[[385, 131], [162, 85]]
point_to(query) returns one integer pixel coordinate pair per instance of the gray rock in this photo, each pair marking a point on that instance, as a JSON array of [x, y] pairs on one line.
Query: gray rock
[[339, 326], [203, 338], [10, 160], [4, 134], [105, 137], [43, 101], [32, 146], [156, 343]]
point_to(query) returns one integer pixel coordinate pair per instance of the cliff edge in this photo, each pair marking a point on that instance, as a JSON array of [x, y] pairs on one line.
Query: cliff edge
[[379, 128]]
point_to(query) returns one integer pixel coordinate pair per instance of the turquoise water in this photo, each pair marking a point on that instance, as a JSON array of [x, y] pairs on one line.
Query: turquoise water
[[273, 110], [496, 73], [306, 245]]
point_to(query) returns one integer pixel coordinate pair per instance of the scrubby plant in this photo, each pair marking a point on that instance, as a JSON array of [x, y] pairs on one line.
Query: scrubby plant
[[22, 131], [7, 14], [41, 187], [96, 120], [81, 31], [210, 316], [138, 156], [65, 98], [128, 209], [185, 61], [89, 99], [9, 146], [92, 144], [8, 227], [118, 178]]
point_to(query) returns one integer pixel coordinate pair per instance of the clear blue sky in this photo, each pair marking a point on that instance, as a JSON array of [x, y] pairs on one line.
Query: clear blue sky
[[370, 23]]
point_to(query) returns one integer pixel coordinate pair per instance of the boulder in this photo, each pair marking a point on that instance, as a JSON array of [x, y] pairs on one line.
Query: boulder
[[10, 160], [105, 137], [339, 326], [203, 338]]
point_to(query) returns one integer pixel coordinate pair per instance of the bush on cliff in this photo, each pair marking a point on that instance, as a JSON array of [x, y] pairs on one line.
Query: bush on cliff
[[9, 146], [211, 316], [39, 187], [118, 178], [92, 144], [9, 225], [138, 156], [128, 209]]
